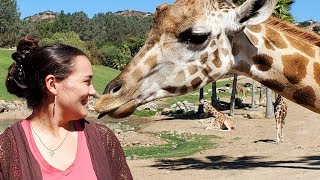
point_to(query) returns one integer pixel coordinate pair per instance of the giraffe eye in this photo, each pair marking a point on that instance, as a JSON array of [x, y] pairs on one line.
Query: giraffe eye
[[188, 36]]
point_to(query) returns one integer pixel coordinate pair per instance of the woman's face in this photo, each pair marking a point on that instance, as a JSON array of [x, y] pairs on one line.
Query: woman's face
[[73, 92]]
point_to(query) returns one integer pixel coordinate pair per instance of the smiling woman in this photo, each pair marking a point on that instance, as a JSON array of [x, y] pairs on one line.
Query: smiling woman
[[55, 141]]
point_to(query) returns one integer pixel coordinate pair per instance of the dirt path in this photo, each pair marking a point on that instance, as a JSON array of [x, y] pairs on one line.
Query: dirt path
[[249, 152]]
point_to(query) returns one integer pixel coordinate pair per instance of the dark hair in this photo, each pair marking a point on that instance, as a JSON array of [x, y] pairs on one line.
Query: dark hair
[[33, 63]]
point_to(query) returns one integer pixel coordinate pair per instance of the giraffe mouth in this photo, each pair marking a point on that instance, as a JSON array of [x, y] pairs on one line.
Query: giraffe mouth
[[120, 111]]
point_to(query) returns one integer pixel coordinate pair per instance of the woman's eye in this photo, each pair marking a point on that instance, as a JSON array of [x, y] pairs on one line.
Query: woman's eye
[[195, 38], [88, 82]]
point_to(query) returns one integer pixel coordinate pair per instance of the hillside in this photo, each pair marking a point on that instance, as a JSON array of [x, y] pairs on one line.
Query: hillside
[[50, 15], [43, 16]]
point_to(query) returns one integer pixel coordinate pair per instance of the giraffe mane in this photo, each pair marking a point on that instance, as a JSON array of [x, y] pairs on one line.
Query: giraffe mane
[[301, 34]]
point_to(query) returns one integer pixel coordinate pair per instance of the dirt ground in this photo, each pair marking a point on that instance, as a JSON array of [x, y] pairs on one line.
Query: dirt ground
[[248, 152]]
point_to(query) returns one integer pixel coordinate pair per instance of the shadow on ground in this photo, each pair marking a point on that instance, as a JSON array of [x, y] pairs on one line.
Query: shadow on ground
[[246, 162]]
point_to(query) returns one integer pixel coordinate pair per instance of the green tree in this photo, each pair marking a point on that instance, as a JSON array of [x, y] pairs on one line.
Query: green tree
[[282, 10], [79, 23], [9, 21], [115, 56], [134, 44]]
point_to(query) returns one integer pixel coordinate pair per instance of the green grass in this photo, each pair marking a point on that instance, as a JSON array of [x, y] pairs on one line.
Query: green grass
[[102, 75], [145, 113], [177, 146], [5, 62]]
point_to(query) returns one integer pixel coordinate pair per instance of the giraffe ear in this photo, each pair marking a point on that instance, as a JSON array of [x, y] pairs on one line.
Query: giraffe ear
[[253, 12]]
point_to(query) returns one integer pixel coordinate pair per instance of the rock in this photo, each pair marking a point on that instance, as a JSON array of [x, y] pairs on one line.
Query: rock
[[255, 115]]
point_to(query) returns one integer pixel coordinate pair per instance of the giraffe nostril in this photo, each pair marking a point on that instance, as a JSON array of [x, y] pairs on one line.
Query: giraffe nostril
[[113, 87]]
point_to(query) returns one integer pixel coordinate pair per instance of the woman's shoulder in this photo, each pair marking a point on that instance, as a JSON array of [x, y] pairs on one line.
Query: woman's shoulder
[[7, 143], [4, 136], [8, 134]]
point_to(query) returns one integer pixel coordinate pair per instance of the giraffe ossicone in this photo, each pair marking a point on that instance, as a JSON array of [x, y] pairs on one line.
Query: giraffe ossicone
[[193, 43]]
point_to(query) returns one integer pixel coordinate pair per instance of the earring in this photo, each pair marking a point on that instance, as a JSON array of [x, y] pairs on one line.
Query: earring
[[54, 105]]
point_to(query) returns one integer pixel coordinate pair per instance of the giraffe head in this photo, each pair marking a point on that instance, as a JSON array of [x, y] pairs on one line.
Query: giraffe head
[[188, 47]]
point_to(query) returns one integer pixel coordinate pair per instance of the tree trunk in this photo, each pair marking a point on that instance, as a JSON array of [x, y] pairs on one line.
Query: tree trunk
[[261, 94], [253, 99], [201, 99], [233, 95], [269, 105]]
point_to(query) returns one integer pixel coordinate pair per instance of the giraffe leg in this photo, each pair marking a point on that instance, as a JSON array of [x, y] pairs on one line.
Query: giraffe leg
[[279, 130], [282, 134], [225, 127]]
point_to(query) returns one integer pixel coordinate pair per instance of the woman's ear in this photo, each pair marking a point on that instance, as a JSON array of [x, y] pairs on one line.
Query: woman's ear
[[51, 84]]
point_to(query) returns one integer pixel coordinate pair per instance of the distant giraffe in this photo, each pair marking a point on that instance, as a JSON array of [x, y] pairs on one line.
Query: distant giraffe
[[221, 122], [241, 90], [280, 113]]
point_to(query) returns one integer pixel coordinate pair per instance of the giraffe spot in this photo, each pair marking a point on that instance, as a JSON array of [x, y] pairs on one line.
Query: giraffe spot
[[262, 61], [196, 83], [275, 38], [138, 75], [225, 51], [255, 28], [295, 67], [236, 49], [193, 70], [204, 58], [170, 89], [216, 60], [180, 77], [302, 47], [206, 71], [274, 85], [267, 44], [213, 78], [243, 66], [305, 96], [151, 62], [316, 72], [213, 43], [253, 39], [183, 90]]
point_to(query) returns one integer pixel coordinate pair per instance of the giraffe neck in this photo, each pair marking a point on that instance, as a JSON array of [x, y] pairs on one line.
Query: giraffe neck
[[281, 61]]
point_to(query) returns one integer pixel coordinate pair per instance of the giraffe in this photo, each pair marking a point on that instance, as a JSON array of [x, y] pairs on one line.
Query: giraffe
[[193, 43], [221, 122], [241, 90], [280, 113]]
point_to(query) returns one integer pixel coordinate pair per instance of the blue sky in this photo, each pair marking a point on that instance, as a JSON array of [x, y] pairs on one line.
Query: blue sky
[[302, 9]]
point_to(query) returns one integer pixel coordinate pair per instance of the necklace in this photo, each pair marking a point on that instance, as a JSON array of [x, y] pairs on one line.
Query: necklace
[[51, 151]]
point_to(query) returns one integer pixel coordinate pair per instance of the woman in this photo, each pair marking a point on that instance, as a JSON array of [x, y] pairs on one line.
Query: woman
[[55, 142]]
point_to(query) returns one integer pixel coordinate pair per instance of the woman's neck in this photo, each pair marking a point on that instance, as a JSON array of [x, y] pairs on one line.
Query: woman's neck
[[46, 120]]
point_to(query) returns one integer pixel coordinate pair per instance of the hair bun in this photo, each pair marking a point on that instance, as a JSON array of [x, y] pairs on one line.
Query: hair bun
[[24, 48]]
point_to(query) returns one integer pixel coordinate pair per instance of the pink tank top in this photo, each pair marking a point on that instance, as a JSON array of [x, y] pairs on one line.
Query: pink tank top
[[81, 168]]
